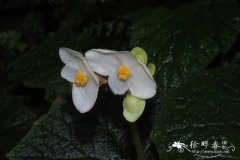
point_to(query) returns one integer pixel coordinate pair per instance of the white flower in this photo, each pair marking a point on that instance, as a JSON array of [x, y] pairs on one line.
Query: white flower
[[125, 72], [85, 82]]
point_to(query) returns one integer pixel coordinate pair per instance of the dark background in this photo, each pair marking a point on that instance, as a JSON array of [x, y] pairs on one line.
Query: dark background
[[31, 31]]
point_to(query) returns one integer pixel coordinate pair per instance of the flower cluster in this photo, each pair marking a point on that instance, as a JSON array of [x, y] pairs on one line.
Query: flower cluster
[[125, 72]]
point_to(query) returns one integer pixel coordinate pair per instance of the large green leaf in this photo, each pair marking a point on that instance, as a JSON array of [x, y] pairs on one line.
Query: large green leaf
[[182, 41], [64, 133], [15, 120], [205, 108]]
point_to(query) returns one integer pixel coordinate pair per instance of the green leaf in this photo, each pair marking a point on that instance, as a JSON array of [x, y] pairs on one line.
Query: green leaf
[[182, 41], [15, 120], [11, 41], [64, 133], [204, 108]]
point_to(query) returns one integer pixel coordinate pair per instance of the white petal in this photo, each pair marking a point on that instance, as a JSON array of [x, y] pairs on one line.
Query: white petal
[[104, 50], [69, 56], [141, 83], [68, 72], [127, 58], [117, 86], [85, 97], [90, 72], [102, 62]]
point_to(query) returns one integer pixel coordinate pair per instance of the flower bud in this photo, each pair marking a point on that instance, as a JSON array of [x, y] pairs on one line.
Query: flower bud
[[140, 54], [151, 68], [133, 108]]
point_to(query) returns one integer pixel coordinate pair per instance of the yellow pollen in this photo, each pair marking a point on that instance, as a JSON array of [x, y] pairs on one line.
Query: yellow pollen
[[81, 78], [123, 72]]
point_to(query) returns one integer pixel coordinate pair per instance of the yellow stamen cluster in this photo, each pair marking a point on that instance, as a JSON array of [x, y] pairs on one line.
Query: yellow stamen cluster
[[81, 78], [123, 72]]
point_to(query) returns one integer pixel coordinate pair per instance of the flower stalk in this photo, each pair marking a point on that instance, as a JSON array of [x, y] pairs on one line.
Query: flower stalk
[[137, 142]]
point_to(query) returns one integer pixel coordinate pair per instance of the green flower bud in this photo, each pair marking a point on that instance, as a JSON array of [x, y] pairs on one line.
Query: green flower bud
[[133, 108], [151, 68], [140, 54]]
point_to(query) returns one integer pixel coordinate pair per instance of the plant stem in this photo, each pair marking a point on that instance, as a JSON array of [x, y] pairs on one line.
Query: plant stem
[[137, 142]]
